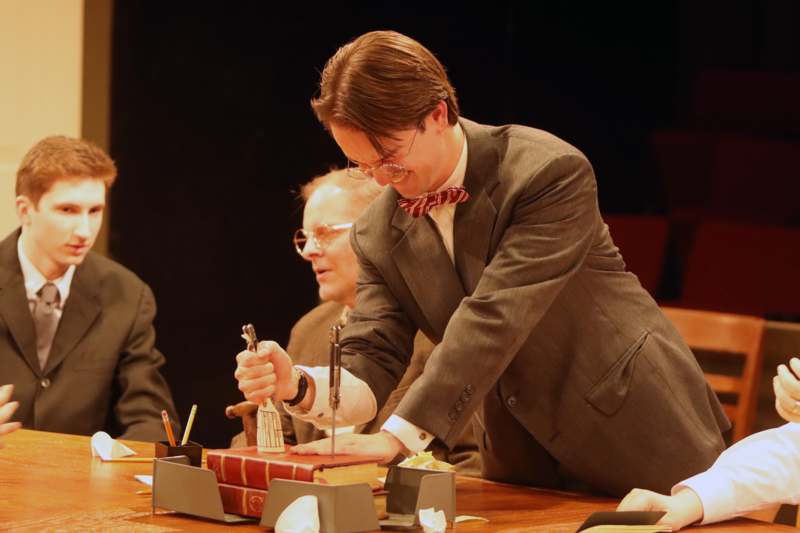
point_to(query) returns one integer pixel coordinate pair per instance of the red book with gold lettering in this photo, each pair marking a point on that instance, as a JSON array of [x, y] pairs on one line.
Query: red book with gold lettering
[[243, 501], [248, 468]]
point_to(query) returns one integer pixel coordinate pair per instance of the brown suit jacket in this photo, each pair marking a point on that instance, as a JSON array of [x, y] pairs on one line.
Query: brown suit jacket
[[538, 326], [309, 345], [103, 369]]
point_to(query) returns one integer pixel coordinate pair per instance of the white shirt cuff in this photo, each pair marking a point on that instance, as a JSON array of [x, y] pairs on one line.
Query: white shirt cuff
[[716, 495], [412, 437], [357, 404]]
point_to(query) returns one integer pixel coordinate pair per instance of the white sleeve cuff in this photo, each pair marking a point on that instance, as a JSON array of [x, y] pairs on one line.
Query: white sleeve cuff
[[412, 437], [716, 495], [357, 404]]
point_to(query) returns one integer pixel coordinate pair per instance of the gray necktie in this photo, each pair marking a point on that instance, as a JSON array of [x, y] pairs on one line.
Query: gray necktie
[[46, 320]]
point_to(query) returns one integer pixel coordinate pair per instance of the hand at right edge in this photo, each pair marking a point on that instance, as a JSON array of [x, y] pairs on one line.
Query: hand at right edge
[[6, 410], [683, 508]]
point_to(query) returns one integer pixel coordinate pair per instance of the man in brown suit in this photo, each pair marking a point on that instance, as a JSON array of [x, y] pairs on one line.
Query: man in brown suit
[[333, 202], [490, 241], [76, 329]]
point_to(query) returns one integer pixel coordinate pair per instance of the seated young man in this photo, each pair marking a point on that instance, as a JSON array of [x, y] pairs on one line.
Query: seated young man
[[332, 202], [756, 472], [76, 329]]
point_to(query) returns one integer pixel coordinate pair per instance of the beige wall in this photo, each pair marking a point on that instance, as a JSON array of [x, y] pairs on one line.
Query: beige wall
[[52, 83]]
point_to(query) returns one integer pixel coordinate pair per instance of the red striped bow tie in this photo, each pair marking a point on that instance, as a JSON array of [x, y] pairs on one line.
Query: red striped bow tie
[[419, 206]]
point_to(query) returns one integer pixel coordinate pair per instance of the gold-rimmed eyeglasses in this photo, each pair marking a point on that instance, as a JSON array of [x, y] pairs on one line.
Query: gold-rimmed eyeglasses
[[321, 236], [385, 170]]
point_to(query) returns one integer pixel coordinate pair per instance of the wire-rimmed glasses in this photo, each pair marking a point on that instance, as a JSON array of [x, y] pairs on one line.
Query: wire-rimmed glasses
[[321, 236], [384, 171]]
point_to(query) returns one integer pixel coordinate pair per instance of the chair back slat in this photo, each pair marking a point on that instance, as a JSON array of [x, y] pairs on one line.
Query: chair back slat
[[728, 335]]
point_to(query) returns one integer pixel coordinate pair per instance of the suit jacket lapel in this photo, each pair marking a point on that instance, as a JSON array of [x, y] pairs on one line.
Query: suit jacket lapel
[[80, 312], [474, 220], [437, 285], [14, 308], [423, 262]]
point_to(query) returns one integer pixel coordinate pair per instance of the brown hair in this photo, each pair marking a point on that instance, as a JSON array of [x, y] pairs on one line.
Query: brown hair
[[58, 157], [380, 83], [362, 192]]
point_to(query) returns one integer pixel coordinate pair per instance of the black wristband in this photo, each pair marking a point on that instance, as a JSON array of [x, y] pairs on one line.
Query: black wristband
[[302, 388]]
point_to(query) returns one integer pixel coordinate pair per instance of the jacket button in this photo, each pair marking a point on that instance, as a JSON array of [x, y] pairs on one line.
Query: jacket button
[[511, 401], [45, 383], [469, 389], [452, 416], [465, 396]]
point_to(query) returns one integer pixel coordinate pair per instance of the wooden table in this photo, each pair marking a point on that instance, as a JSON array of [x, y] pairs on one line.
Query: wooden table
[[50, 481]]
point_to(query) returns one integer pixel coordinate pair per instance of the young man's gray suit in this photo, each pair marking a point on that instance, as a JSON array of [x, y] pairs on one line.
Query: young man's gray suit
[[575, 376], [103, 369]]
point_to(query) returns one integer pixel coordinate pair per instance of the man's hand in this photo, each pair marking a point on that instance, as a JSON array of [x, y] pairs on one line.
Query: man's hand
[[787, 391], [266, 373], [6, 410], [682, 509], [382, 444]]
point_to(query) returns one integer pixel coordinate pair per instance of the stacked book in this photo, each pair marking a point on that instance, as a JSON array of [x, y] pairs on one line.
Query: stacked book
[[244, 474]]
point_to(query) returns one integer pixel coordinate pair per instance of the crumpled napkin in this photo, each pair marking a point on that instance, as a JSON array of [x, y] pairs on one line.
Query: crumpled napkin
[[432, 521], [300, 516], [427, 461], [107, 448]]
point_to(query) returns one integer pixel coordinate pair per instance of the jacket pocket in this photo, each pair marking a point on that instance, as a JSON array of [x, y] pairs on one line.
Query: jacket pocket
[[609, 393]]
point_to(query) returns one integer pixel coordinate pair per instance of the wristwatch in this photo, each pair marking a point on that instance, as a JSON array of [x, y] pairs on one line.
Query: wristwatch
[[302, 388]]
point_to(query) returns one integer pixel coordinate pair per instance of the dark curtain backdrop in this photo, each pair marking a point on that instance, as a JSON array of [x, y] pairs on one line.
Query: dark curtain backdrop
[[213, 133]]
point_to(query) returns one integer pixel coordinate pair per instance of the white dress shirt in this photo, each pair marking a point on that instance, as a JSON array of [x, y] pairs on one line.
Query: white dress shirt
[[358, 404], [756, 472], [34, 281]]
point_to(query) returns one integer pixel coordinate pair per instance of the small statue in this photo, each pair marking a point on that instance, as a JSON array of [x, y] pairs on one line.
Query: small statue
[[269, 434]]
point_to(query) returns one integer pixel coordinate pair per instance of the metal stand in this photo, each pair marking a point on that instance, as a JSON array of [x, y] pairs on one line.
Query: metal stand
[[412, 489], [179, 487], [342, 508]]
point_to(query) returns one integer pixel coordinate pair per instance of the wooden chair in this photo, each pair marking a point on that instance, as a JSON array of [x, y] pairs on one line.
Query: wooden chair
[[727, 334]]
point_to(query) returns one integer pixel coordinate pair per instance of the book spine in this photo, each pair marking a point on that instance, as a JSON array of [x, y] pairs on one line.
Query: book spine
[[255, 472], [243, 501]]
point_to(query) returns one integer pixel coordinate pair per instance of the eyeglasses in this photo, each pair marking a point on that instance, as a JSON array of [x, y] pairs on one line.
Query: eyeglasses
[[321, 236], [386, 171]]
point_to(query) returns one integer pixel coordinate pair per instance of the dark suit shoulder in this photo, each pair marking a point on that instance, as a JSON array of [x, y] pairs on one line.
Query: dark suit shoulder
[[109, 280], [308, 339], [510, 138], [105, 267]]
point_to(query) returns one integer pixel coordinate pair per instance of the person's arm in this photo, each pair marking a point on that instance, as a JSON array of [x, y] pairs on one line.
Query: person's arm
[[142, 391], [270, 373], [682, 508], [756, 472], [7, 409]]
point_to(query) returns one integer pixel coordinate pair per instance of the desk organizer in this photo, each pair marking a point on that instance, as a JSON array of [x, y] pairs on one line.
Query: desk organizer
[[192, 450], [181, 487]]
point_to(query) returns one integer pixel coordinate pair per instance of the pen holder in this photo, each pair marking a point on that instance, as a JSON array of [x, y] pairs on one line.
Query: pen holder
[[192, 450]]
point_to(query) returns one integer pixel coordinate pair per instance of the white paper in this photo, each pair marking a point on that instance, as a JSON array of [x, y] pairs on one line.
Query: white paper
[[106, 448], [142, 478], [432, 521], [300, 516], [469, 518]]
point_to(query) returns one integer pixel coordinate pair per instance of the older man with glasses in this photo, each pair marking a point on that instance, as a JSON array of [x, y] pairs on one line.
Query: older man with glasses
[[332, 202]]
